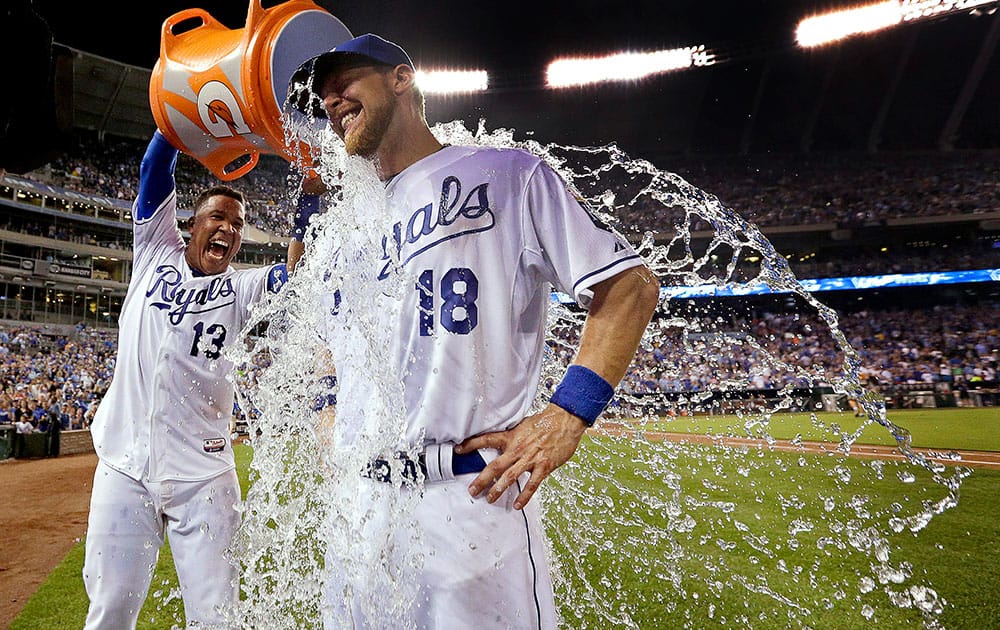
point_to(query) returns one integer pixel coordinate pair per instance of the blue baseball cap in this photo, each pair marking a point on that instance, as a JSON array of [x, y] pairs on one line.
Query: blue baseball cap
[[368, 49]]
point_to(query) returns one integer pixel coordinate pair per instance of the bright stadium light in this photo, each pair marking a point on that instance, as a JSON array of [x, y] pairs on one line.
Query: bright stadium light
[[823, 29], [452, 81], [836, 25], [623, 66]]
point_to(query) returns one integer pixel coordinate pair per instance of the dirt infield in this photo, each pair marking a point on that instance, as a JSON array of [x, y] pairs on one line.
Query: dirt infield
[[46, 503]]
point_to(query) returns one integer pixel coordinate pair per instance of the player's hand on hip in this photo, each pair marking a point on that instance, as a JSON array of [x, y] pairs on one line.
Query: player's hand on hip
[[538, 444]]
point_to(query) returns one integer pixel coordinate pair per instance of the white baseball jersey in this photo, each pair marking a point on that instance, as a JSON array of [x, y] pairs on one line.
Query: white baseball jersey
[[121, 427], [135, 419], [192, 395], [486, 234]]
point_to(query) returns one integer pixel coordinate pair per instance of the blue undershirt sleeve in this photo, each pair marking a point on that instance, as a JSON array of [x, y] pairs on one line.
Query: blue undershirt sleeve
[[156, 176], [306, 206]]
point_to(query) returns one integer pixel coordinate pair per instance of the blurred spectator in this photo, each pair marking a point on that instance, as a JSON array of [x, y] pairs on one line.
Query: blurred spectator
[[22, 428], [51, 377]]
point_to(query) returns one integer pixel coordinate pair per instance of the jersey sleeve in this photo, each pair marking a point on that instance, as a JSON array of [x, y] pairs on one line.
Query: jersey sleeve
[[575, 248], [154, 212], [254, 284]]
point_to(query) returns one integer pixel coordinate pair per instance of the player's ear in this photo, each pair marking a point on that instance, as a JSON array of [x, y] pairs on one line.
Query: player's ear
[[190, 222], [403, 77]]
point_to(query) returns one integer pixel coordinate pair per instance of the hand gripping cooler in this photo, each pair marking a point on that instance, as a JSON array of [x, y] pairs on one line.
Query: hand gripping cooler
[[217, 94]]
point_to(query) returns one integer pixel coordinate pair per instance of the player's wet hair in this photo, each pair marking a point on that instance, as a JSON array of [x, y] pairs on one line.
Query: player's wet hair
[[225, 191], [214, 191]]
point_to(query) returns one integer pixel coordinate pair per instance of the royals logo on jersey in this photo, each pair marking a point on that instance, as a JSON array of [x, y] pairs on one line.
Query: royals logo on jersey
[[459, 211], [199, 297]]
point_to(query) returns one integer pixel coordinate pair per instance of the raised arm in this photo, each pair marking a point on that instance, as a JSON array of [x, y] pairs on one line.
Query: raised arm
[[156, 177], [307, 204]]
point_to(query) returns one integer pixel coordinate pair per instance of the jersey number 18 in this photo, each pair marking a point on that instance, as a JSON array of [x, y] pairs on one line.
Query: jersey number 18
[[459, 290]]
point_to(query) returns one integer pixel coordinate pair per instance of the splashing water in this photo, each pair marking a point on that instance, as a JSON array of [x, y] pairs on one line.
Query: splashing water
[[643, 531]]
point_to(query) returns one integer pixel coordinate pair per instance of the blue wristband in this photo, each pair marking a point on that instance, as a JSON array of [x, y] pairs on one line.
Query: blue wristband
[[583, 393], [305, 208]]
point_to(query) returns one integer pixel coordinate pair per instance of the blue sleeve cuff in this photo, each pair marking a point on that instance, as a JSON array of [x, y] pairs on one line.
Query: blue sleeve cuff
[[277, 277]]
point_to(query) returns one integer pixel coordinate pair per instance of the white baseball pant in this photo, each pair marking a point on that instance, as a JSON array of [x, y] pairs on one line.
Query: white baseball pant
[[478, 565], [126, 528]]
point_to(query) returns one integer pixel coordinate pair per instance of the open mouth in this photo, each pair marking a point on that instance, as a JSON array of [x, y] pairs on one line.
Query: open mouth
[[348, 119], [218, 248]]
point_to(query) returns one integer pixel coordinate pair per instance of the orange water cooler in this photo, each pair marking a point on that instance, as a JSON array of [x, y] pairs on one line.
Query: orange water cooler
[[217, 93]]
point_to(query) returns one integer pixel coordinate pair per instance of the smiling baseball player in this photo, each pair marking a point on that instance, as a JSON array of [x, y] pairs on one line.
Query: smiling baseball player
[[484, 234], [162, 431]]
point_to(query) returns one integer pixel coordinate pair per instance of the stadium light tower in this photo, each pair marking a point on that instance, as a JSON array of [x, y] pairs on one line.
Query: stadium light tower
[[836, 25], [626, 66], [452, 81]]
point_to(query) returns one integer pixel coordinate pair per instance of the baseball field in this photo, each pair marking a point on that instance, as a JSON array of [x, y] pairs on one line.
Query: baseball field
[[957, 552]]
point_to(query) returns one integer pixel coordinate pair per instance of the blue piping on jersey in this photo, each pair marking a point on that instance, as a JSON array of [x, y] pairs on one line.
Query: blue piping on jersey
[[604, 268], [531, 562], [156, 177]]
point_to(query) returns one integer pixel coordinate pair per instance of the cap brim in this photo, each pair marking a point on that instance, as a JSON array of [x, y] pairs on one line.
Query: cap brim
[[303, 87]]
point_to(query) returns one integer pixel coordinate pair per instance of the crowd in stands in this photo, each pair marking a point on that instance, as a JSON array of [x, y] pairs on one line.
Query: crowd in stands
[[64, 232], [898, 349], [844, 190], [856, 261], [49, 377], [45, 376], [111, 168], [972, 254], [769, 190]]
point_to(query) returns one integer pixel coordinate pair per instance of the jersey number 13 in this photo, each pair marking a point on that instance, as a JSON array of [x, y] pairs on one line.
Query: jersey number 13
[[212, 346]]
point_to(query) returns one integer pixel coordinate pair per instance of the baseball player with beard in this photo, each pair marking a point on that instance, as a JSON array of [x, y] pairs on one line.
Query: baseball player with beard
[[484, 234], [162, 431]]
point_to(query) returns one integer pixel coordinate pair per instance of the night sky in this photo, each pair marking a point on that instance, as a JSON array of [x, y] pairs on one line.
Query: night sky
[[502, 37]]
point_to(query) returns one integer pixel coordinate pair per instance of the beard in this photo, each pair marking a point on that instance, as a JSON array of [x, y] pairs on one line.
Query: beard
[[365, 139]]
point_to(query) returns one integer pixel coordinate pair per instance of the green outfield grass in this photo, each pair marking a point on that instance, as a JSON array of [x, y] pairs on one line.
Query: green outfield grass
[[956, 553], [972, 428]]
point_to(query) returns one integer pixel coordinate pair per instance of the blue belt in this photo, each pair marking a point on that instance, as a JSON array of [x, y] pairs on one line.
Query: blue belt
[[461, 464]]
